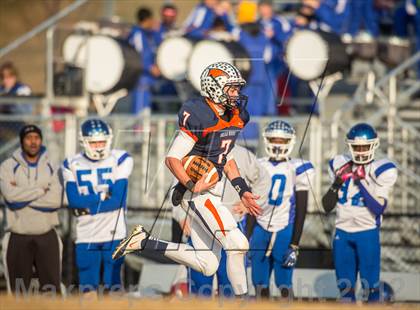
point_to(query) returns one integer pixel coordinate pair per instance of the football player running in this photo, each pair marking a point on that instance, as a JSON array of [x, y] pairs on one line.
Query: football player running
[[258, 179], [275, 240], [360, 190], [209, 128], [96, 182]]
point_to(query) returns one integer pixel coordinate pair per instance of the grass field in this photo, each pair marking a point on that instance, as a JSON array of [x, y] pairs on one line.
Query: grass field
[[117, 303]]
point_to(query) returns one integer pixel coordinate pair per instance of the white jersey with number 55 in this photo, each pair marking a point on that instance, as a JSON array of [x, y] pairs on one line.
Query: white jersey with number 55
[[99, 177]]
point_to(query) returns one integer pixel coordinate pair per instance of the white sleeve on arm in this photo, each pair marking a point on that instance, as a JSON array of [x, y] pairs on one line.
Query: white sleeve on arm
[[183, 144], [385, 182], [68, 175], [261, 185], [305, 176], [138, 42], [124, 168], [331, 172]]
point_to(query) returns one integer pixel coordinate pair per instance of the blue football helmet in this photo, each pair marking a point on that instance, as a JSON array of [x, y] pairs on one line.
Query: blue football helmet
[[279, 129], [95, 130], [362, 140]]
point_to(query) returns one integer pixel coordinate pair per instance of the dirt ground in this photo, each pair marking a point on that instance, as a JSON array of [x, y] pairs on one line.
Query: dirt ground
[[117, 303]]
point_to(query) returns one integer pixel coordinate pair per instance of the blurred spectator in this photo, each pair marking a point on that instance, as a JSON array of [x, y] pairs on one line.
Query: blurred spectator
[[259, 89], [168, 15], [278, 30], [145, 40], [362, 16], [11, 86], [218, 31], [163, 86], [385, 10], [406, 15], [32, 194], [327, 15], [201, 19]]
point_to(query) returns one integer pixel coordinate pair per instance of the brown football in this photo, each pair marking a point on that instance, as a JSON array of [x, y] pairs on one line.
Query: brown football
[[197, 166]]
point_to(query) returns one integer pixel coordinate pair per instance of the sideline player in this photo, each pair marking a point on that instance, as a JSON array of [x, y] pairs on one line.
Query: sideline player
[[275, 240], [209, 128], [360, 190], [96, 183]]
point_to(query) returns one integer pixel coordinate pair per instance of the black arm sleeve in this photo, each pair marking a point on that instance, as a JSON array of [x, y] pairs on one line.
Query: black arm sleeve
[[329, 200], [301, 208]]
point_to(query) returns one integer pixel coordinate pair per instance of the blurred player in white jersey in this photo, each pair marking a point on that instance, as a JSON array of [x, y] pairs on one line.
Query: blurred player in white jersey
[[275, 240], [96, 182], [258, 179], [360, 190]]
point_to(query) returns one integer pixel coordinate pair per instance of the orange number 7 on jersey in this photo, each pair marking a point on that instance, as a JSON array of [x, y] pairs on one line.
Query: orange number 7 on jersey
[[224, 145]]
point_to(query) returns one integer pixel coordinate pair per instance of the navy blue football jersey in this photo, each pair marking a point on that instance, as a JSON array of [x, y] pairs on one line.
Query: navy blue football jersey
[[214, 135]]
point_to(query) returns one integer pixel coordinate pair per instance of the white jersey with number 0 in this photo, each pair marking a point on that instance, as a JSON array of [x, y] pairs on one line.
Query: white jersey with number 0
[[287, 177]]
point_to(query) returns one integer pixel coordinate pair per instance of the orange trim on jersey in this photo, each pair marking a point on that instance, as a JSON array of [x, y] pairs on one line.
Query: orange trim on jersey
[[236, 121], [208, 204], [189, 133]]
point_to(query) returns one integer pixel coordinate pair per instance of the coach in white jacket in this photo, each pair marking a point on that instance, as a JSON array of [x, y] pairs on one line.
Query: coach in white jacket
[[32, 194]]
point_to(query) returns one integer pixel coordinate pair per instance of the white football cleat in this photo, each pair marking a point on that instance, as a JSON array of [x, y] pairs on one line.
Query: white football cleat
[[132, 243]]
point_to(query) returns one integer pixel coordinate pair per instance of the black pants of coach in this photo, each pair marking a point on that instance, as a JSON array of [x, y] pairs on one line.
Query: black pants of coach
[[25, 254]]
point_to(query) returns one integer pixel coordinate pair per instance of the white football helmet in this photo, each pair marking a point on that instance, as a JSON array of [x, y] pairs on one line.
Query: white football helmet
[[95, 130], [279, 129], [214, 79]]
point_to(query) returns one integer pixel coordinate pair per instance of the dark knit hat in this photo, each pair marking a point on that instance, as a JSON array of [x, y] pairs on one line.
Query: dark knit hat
[[28, 129]]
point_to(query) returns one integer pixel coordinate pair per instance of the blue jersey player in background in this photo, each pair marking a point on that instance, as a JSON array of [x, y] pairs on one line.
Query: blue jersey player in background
[[275, 240], [360, 191], [96, 183]]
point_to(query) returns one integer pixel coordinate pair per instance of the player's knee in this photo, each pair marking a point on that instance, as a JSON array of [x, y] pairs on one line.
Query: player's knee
[[236, 242], [210, 266]]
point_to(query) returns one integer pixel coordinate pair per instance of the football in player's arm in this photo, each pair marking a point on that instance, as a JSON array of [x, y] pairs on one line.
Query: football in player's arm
[[96, 182], [276, 236], [360, 188]]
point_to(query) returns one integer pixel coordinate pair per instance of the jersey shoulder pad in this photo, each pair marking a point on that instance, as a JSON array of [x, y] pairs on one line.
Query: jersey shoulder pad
[[384, 171], [262, 160], [338, 161], [120, 156], [72, 160], [189, 115], [301, 165]]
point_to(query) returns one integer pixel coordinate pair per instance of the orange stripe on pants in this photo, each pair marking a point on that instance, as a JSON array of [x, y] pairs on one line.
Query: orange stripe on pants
[[216, 215]]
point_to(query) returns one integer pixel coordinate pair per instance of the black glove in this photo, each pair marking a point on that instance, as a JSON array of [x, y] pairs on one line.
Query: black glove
[[81, 211], [178, 193]]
